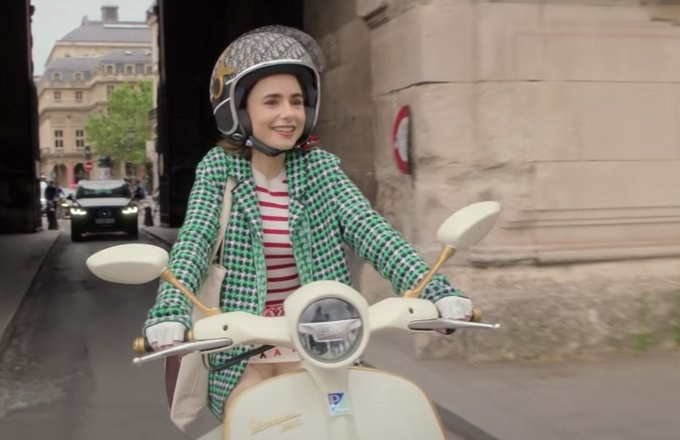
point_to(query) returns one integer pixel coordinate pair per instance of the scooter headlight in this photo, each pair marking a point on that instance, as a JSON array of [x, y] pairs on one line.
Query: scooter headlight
[[330, 330]]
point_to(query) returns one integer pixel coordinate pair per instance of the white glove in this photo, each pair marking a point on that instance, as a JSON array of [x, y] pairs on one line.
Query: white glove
[[454, 307], [165, 333]]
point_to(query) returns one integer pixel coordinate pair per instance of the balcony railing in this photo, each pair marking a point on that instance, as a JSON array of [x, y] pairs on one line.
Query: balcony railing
[[70, 152]]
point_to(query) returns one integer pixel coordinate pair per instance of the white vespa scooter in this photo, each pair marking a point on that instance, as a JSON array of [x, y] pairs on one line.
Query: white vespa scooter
[[328, 397]]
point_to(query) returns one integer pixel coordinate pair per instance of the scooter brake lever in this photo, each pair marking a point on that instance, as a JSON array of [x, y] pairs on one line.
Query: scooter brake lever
[[184, 348], [444, 323]]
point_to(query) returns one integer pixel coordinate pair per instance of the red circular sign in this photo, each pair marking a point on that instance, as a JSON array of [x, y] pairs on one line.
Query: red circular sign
[[87, 166], [401, 139]]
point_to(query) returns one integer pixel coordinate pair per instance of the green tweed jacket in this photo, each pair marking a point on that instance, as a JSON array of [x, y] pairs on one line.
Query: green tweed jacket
[[326, 210]]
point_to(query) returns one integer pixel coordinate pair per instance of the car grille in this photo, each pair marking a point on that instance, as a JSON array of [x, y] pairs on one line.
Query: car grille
[[105, 212]]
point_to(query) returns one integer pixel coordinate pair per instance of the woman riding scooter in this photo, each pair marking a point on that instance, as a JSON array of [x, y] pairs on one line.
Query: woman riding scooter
[[292, 211]]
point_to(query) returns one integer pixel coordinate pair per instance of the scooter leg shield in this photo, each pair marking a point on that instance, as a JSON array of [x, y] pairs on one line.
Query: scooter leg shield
[[291, 407]]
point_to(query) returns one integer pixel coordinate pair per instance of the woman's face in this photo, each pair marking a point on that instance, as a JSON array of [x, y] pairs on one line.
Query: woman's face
[[276, 109]]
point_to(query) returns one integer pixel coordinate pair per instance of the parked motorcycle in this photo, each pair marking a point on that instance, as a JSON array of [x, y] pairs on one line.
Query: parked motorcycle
[[328, 397]]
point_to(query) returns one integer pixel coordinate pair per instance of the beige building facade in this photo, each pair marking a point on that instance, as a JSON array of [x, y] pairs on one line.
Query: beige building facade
[[82, 69], [565, 112]]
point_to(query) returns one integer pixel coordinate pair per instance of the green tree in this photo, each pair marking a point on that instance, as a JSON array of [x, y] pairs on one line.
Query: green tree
[[123, 129]]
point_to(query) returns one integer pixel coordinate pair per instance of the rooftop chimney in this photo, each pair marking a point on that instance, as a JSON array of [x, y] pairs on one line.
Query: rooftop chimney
[[109, 13]]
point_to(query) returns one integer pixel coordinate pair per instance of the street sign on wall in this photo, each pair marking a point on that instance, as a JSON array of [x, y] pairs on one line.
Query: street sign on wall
[[401, 139]]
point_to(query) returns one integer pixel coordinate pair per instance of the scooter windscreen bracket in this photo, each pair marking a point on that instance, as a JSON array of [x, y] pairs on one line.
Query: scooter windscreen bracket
[[184, 348]]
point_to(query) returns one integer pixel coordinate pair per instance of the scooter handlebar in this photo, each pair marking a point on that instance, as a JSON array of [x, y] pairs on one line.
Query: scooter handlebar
[[141, 344]]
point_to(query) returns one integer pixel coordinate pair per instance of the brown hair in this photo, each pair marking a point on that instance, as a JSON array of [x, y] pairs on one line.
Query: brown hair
[[234, 149]]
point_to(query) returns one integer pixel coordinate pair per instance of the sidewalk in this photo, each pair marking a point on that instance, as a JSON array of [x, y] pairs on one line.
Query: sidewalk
[[625, 398], [622, 398], [21, 256]]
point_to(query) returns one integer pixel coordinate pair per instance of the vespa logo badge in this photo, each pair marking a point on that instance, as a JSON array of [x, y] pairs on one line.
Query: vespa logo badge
[[338, 404]]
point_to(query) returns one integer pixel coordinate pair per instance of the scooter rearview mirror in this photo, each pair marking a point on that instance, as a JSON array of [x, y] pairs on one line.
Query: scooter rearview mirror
[[469, 225], [465, 228], [139, 264], [128, 263]]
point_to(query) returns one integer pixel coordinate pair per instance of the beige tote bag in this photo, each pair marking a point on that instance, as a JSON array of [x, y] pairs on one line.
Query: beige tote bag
[[191, 387]]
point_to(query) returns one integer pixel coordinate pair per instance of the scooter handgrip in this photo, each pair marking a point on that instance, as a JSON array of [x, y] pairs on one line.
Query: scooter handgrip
[[476, 315], [141, 344]]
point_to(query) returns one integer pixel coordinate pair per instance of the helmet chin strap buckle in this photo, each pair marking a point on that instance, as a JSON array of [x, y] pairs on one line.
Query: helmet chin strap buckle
[[262, 148]]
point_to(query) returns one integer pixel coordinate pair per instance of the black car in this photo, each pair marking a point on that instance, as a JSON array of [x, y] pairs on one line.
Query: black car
[[103, 206]]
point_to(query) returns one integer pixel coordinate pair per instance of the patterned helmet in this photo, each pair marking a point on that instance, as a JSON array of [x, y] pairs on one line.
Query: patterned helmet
[[262, 52]]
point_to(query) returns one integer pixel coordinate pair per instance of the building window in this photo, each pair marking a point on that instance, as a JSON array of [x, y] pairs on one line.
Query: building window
[[79, 96], [129, 69], [109, 69], [56, 76], [57, 96], [109, 89], [58, 138], [80, 139], [78, 76], [148, 69]]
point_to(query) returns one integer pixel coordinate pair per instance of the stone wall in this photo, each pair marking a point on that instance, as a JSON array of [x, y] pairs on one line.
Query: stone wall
[[565, 112]]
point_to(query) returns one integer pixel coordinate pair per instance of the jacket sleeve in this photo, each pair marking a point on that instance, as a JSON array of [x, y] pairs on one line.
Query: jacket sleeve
[[372, 238], [191, 251]]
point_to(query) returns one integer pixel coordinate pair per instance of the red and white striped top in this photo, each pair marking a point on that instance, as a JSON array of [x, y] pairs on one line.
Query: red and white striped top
[[282, 275]]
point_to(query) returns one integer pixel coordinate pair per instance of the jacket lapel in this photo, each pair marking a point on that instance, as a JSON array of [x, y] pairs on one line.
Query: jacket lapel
[[244, 196], [296, 173], [298, 223]]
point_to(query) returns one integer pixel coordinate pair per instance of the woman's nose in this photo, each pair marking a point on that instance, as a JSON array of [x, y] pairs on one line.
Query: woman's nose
[[286, 110]]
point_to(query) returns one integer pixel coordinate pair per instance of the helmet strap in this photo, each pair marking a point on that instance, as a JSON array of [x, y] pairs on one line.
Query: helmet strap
[[262, 148]]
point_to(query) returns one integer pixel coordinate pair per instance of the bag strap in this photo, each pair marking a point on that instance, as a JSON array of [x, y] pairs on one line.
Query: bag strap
[[224, 219]]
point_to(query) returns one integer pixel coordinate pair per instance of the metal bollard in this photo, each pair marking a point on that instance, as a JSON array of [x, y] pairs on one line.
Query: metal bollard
[[52, 222], [148, 216]]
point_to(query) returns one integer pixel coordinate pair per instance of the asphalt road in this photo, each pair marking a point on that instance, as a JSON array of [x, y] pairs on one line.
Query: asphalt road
[[67, 372]]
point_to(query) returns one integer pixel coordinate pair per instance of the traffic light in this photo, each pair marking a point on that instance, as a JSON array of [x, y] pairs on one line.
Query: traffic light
[[88, 154]]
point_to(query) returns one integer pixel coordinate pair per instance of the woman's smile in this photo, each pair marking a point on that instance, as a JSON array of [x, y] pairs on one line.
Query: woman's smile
[[286, 131]]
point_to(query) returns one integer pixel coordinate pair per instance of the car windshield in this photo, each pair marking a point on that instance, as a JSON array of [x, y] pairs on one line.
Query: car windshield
[[103, 190]]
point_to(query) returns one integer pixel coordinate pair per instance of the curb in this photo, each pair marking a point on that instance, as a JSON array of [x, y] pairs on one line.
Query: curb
[[156, 237], [5, 337]]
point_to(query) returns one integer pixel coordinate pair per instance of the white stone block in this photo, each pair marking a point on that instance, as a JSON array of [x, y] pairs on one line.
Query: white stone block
[[571, 42], [606, 184], [432, 43], [443, 123], [509, 44], [545, 121]]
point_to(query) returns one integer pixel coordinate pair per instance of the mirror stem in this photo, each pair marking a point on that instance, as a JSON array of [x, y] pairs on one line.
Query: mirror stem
[[168, 277], [445, 254]]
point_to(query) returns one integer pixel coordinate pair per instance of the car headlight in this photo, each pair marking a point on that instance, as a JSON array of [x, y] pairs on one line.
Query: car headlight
[[130, 210], [78, 211], [330, 330]]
